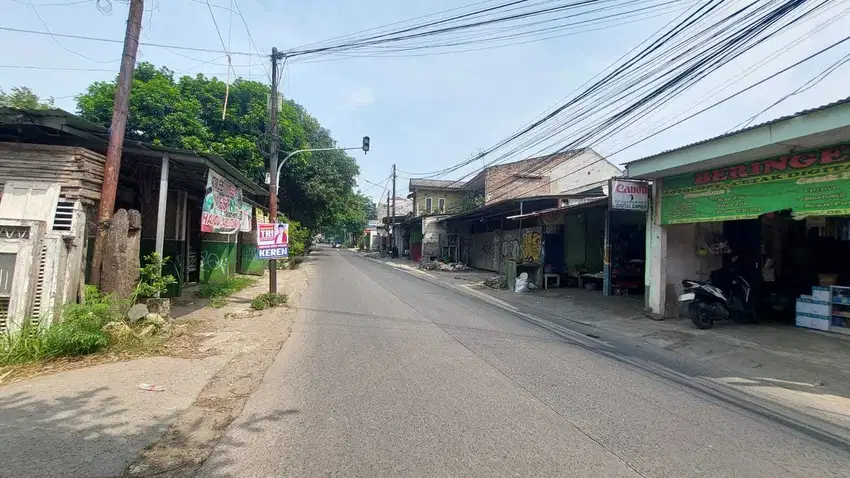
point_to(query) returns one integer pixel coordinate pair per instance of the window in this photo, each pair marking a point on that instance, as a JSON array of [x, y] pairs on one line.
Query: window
[[428, 205], [441, 205]]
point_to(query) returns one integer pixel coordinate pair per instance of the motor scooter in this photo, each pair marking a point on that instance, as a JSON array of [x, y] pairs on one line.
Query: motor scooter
[[726, 295]]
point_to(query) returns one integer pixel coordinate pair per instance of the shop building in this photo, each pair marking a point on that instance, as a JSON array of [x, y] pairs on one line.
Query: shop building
[[772, 200]]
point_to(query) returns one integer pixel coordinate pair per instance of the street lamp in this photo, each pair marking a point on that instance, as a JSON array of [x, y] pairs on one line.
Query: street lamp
[[364, 147]]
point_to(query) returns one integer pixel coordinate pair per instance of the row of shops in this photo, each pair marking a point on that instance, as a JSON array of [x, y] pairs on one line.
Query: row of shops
[[772, 200]]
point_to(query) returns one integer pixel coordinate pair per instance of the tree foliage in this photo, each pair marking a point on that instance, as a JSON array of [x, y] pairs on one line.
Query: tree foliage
[[24, 98], [186, 112]]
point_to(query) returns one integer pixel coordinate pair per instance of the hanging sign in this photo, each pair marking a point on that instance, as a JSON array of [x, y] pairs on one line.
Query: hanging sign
[[272, 240], [222, 210], [813, 183], [262, 216], [628, 195], [247, 214]]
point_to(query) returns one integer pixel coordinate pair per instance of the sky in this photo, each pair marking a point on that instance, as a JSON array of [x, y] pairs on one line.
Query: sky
[[422, 113]]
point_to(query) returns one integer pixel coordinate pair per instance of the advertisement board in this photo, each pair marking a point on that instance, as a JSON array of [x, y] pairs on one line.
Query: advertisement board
[[272, 240], [222, 209], [812, 183], [628, 195], [245, 220]]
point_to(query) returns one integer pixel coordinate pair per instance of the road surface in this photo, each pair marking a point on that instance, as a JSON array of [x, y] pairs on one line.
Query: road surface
[[386, 374]]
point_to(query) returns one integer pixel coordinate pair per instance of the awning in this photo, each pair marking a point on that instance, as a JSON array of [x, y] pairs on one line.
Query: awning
[[590, 202]]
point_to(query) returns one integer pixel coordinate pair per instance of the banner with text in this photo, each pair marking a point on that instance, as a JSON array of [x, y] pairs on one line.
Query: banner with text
[[813, 183], [247, 215], [272, 240], [222, 210]]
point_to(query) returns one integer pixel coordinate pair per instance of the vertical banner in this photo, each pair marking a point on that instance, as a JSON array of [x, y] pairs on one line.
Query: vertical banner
[[247, 214], [222, 210], [262, 216], [272, 240]]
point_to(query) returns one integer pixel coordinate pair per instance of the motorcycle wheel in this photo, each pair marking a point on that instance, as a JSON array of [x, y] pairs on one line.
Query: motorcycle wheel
[[700, 316]]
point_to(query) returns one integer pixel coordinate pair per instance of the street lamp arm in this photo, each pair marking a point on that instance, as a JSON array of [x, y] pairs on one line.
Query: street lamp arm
[[298, 151]]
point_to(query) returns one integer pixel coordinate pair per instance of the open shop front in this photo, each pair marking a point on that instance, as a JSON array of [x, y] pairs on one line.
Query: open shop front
[[782, 223]]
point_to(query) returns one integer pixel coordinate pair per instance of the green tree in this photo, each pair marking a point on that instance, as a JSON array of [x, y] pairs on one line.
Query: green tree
[[372, 211], [24, 98], [186, 112]]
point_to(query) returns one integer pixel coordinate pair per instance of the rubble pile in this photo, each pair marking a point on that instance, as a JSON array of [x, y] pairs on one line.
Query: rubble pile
[[443, 266], [497, 282]]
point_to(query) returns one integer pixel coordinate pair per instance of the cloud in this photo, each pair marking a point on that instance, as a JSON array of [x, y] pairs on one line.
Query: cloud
[[361, 98]]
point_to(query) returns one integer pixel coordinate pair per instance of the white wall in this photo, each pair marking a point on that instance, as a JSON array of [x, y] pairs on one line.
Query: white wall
[[586, 168]]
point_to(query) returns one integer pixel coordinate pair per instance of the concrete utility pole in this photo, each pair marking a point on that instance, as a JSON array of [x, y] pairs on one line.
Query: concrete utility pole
[[276, 56], [120, 109], [393, 236], [387, 219]]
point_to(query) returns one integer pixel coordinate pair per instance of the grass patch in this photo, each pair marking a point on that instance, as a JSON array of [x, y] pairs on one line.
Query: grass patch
[[231, 286], [295, 262], [217, 302], [268, 300]]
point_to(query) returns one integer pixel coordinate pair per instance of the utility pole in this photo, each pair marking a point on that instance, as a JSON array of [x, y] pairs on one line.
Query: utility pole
[[394, 236], [120, 109], [387, 219], [276, 56]]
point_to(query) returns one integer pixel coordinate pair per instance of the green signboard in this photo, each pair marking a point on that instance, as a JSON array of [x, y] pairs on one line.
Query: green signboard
[[811, 183]]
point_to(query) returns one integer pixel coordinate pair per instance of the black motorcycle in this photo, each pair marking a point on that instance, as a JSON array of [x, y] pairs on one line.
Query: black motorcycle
[[726, 295]]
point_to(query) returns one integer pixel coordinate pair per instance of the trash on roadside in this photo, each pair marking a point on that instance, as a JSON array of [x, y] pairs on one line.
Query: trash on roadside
[[151, 388], [521, 282], [443, 266]]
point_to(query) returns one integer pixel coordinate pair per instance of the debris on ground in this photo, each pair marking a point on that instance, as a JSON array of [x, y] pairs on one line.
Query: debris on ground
[[118, 331], [137, 312], [151, 388], [443, 266], [496, 282]]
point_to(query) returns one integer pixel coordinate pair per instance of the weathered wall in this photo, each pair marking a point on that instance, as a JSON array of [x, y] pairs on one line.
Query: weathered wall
[[218, 257], [78, 171], [431, 232], [484, 252], [454, 201], [585, 168], [502, 182]]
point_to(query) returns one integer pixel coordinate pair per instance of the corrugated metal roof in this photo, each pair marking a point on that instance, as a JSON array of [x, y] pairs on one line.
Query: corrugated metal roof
[[102, 133], [743, 130], [601, 201]]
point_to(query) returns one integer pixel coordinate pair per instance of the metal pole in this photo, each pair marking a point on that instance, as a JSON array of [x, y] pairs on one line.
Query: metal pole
[[160, 212], [273, 164], [109, 188], [388, 220], [394, 232]]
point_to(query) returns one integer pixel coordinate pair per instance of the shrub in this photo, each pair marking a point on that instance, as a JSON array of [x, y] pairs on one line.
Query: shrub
[[295, 262], [218, 302], [267, 300], [151, 279], [230, 286]]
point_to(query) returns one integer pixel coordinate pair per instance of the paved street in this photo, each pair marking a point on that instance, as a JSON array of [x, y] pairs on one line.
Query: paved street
[[388, 374]]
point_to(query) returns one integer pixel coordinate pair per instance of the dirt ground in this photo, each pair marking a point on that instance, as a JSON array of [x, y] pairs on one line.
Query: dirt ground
[[253, 339]]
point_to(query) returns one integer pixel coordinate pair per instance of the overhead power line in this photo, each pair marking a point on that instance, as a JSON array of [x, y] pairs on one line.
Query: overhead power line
[[110, 40]]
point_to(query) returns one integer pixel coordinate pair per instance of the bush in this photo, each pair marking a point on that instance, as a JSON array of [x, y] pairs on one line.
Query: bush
[[295, 262], [79, 332], [268, 300], [230, 286], [218, 302]]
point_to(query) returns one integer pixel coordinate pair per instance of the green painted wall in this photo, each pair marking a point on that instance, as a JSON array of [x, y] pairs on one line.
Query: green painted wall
[[454, 200], [248, 262], [574, 234], [416, 236], [584, 234], [173, 251], [218, 261]]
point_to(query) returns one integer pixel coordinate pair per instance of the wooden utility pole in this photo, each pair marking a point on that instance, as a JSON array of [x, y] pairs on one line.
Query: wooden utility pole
[[394, 236], [120, 109], [276, 56]]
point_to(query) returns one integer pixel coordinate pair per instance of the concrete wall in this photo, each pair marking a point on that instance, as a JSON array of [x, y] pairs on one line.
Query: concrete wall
[[24, 239], [484, 251], [431, 232], [585, 168], [453, 201]]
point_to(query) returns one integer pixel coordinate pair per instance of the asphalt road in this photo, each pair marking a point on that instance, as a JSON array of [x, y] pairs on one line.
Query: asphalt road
[[386, 374]]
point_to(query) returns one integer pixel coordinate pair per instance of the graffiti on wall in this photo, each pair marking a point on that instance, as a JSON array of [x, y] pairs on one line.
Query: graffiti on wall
[[211, 262], [531, 246], [497, 241], [510, 245]]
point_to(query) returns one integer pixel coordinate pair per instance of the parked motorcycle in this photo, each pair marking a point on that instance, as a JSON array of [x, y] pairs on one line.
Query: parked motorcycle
[[726, 295]]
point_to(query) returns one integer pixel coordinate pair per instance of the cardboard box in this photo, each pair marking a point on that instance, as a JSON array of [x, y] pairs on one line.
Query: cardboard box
[[813, 321], [828, 279], [821, 293], [813, 307]]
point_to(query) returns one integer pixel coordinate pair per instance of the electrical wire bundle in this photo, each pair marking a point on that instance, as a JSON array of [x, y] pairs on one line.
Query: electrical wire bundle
[[692, 47]]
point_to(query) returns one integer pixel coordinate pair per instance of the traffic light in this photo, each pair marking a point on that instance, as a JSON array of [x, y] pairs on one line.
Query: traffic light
[[365, 144]]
